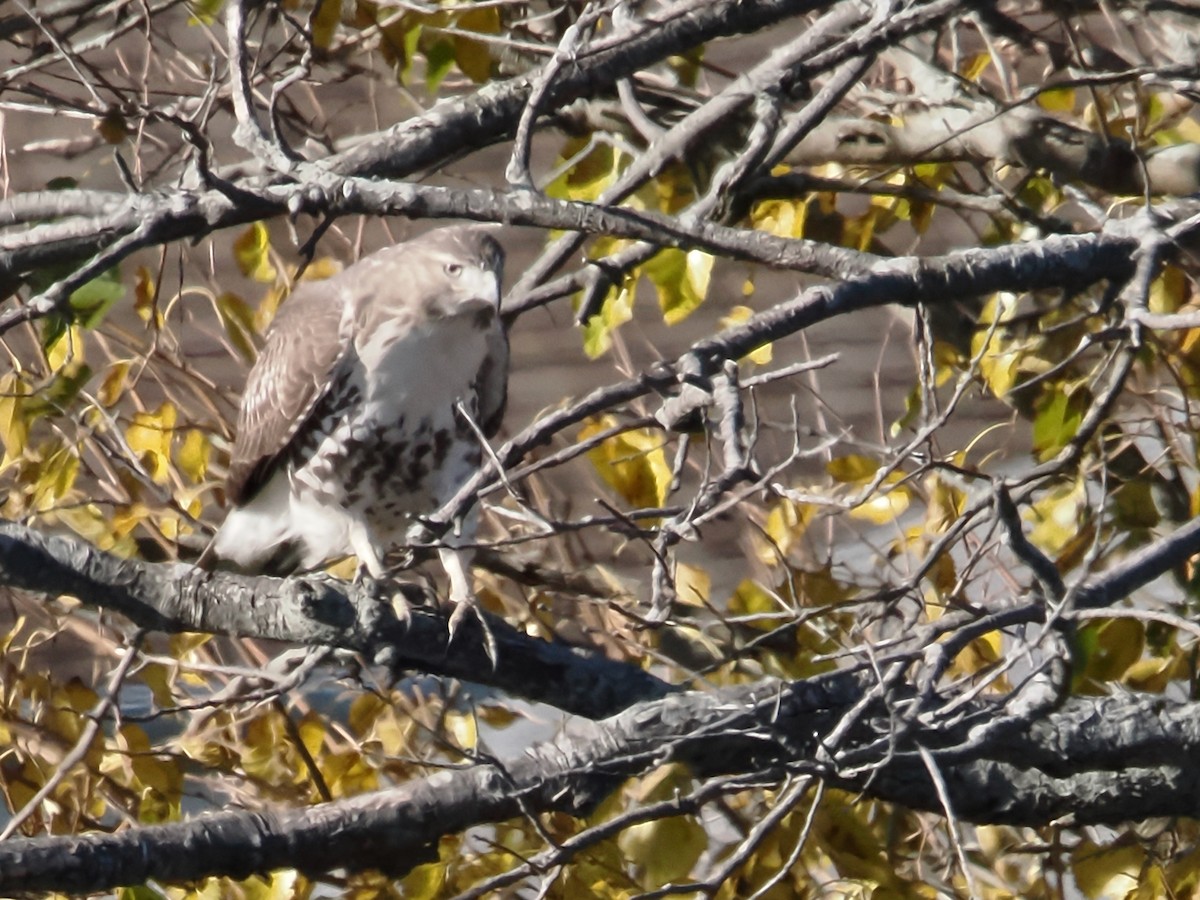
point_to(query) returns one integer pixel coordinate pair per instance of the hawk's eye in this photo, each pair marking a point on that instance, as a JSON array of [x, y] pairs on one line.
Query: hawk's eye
[[454, 269]]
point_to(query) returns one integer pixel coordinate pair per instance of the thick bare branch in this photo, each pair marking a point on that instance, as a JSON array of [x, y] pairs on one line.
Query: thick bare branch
[[322, 611]]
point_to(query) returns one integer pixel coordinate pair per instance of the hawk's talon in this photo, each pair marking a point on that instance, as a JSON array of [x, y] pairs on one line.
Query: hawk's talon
[[402, 608], [379, 590], [470, 606]]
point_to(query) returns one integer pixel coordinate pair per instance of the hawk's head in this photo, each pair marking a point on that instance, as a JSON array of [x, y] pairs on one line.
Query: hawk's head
[[473, 265], [456, 273]]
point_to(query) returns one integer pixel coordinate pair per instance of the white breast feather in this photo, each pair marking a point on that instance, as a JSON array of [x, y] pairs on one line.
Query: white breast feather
[[415, 373]]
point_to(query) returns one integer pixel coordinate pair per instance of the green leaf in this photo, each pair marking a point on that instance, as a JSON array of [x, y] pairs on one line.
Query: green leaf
[[204, 12], [90, 302], [86, 306], [1058, 421], [62, 390], [1135, 507], [439, 58], [326, 16], [681, 280]]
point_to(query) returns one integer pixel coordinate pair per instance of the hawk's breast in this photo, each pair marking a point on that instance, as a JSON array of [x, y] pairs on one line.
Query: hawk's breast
[[386, 441]]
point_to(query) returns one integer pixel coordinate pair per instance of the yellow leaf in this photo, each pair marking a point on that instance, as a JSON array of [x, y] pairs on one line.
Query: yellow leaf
[[425, 882], [943, 575], [819, 587], [738, 316], [680, 280], [320, 268], [946, 503], [463, 728], [884, 505], [349, 774], [1135, 505], [632, 462], [1056, 517], [852, 468], [666, 849], [239, 324], [145, 296], [999, 361], [779, 217], [113, 383], [976, 66], [1111, 871], [498, 716], [162, 774], [150, 437], [66, 349], [590, 175], [193, 455], [158, 678], [616, 311], [947, 361], [1057, 99], [186, 643], [282, 884], [312, 731], [980, 653], [1168, 291], [14, 427], [95, 525], [251, 250], [699, 271], [204, 12], [786, 524], [692, 584], [1153, 675], [56, 476], [755, 606], [473, 56], [393, 732], [364, 710]]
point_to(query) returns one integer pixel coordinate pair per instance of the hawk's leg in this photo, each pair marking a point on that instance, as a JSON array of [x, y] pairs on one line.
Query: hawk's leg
[[371, 572], [456, 561]]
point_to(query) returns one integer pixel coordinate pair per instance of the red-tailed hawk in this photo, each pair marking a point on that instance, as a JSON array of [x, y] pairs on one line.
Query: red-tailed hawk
[[355, 416]]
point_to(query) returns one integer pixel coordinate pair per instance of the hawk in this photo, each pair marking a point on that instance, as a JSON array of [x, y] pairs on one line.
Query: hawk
[[367, 408]]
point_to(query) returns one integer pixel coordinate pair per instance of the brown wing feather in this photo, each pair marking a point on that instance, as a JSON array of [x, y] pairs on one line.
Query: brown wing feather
[[491, 382], [292, 374]]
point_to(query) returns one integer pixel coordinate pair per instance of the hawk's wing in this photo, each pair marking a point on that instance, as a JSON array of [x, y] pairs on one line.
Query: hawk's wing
[[294, 371], [491, 382]]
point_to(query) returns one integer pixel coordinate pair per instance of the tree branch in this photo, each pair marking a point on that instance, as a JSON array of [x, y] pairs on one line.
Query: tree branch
[[175, 597], [1094, 761]]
